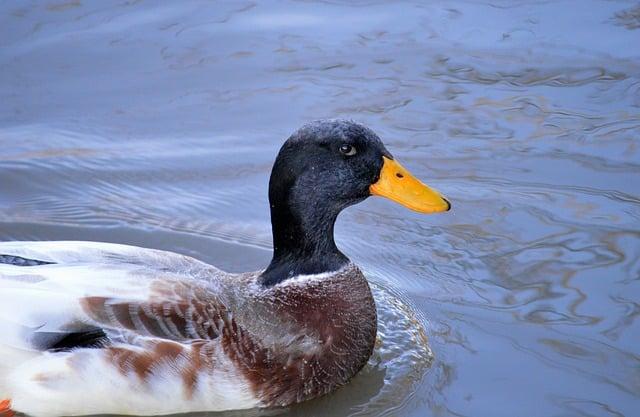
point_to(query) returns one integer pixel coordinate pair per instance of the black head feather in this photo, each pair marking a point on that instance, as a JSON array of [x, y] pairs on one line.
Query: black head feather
[[321, 169]]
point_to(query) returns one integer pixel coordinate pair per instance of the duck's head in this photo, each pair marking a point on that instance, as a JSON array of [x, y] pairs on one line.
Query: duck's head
[[321, 169]]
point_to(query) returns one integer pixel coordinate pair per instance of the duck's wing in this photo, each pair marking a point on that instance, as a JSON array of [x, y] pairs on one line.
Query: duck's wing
[[59, 295], [136, 331]]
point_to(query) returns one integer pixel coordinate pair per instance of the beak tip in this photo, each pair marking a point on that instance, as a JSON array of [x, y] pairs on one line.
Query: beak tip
[[448, 204]]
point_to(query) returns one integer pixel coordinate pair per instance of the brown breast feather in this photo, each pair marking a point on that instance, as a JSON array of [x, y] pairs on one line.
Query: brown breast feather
[[338, 311]]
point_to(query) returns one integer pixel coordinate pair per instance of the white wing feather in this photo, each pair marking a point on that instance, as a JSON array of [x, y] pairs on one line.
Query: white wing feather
[[45, 298], [135, 296]]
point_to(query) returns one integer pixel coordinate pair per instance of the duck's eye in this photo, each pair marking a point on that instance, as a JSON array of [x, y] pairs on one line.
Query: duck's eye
[[348, 150]]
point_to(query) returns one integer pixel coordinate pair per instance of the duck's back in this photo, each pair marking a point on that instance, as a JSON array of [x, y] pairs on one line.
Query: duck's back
[[140, 331]]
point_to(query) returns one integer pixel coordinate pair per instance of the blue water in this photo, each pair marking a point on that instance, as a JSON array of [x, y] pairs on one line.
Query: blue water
[[156, 124]]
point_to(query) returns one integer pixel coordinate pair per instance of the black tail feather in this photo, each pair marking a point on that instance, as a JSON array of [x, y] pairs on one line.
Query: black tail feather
[[93, 337], [20, 261]]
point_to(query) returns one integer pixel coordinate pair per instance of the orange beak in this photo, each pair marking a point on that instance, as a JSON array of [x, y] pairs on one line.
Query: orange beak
[[397, 184]]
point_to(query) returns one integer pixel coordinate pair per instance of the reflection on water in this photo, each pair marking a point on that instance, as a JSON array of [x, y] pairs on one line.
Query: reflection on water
[[156, 125]]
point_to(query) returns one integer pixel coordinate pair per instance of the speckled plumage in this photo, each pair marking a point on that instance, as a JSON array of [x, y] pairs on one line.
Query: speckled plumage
[[181, 334]]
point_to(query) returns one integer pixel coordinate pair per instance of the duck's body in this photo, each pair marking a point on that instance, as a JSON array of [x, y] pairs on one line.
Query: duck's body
[[97, 328], [168, 334]]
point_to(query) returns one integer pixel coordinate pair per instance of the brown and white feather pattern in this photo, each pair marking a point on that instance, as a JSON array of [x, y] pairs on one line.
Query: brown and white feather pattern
[[182, 336]]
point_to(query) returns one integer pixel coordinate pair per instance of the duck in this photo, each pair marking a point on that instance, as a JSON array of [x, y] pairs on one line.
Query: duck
[[102, 328]]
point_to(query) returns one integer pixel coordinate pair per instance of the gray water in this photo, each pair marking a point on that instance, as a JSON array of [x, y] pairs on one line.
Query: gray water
[[155, 124]]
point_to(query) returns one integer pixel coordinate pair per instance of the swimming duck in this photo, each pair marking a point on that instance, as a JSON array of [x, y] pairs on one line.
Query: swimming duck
[[100, 328]]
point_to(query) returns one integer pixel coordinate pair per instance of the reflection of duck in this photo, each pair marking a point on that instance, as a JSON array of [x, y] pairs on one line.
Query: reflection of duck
[[96, 328]]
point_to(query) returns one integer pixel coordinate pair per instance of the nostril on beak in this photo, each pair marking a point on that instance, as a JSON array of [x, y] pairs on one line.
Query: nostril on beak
[[399, 175]]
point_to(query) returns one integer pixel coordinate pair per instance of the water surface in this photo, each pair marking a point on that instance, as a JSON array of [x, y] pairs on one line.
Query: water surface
[[156, 125]]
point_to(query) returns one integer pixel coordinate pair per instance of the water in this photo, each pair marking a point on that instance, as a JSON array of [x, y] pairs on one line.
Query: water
[[156, 125]]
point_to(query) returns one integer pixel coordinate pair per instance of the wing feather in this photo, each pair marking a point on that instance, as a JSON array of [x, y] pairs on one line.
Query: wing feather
[[193, 313], [86, 286]]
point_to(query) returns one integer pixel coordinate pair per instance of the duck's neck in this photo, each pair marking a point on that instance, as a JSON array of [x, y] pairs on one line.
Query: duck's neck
[[302, 238]]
